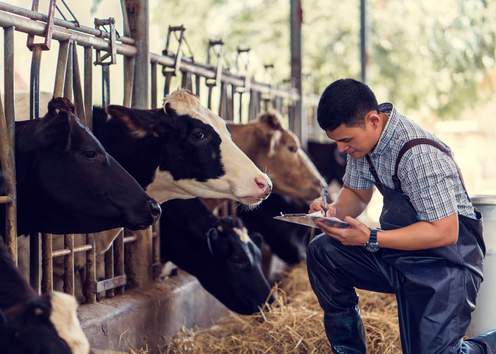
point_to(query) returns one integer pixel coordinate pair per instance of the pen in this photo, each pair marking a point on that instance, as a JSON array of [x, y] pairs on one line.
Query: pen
[[325, 196]]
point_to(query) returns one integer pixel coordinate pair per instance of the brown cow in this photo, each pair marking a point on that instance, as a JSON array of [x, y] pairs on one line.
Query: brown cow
[[277, 151]]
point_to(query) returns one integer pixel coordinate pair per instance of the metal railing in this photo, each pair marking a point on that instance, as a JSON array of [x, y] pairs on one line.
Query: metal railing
[[120, 269]]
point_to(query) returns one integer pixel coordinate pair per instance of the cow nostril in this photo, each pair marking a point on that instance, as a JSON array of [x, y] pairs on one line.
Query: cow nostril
[[154, 208], [261, 183]]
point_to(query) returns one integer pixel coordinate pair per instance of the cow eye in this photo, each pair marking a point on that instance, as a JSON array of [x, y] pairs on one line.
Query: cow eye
[[89, 154], [198, 135], [292, 148]]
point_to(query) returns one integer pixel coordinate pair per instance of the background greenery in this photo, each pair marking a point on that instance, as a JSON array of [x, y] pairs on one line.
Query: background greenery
[[432, 57]]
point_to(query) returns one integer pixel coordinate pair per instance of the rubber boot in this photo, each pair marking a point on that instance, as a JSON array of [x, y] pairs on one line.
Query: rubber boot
[[485, 343], [345, 331]]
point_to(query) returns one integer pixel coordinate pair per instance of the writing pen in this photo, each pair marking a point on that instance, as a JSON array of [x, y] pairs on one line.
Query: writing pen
[[325, 196]]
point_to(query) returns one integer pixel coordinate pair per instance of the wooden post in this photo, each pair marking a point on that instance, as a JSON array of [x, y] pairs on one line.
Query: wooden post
[[299, 123], [137, 14]]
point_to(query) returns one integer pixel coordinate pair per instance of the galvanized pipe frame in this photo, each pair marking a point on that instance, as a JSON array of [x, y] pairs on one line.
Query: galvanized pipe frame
[[69, 37], [62, 23]]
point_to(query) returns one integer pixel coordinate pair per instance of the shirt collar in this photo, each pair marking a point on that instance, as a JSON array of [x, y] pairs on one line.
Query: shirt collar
[[389, 129]]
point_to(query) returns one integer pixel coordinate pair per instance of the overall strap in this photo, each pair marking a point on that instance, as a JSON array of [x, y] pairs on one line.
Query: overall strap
[[373, 171], [424, 141]]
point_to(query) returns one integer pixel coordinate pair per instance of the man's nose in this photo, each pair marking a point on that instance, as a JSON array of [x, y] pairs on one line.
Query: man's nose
[[342, 147]]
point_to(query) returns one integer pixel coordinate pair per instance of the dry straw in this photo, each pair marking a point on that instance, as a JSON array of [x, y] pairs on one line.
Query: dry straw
[[292, 324]]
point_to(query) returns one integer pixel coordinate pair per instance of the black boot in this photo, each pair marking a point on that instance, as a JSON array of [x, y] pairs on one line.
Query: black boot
[[345, 331], [485, 343]]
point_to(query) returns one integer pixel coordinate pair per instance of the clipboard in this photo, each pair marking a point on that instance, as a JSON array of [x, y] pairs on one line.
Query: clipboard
[[310, 219]]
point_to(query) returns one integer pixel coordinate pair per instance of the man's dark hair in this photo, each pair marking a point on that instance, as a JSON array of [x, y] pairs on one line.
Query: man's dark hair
[[345, 101]]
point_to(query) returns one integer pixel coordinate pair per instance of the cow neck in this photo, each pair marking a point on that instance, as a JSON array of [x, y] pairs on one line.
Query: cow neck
[[27, 190], [14, 289], [139, 156]]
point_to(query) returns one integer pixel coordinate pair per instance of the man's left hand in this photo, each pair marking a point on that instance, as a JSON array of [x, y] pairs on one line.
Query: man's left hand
[[356, 235]]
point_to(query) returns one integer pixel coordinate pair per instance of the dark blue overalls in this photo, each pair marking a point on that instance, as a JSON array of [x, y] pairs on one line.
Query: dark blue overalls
[[435, 288]]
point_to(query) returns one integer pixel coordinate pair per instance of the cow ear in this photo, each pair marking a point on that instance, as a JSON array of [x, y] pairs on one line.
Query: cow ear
[[212, 236], [271, 120], [3, 318], [140, 123], [38, 309], [257, 239], [54, 131]]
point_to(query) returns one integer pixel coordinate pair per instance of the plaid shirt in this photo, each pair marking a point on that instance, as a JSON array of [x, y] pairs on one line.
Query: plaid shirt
[[428, 176]]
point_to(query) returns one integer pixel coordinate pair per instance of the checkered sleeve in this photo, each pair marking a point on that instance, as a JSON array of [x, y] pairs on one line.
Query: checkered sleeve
[[354, 176], [428, 178]]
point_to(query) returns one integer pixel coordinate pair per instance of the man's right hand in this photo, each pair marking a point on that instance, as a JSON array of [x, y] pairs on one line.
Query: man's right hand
[[317, 205]]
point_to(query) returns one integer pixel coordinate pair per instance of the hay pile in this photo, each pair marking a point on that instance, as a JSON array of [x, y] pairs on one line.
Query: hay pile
[[292, 324]]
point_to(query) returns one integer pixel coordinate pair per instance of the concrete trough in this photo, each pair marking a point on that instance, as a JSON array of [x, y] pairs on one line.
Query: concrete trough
[[149, 317]]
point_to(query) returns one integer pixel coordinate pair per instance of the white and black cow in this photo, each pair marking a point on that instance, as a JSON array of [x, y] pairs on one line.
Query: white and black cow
[[218, 252], [34, 324], [182, 150], [287, 241], [66, 181]]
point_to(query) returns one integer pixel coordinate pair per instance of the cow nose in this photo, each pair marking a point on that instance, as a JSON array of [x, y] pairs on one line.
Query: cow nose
[[154, 209], [264, 184]]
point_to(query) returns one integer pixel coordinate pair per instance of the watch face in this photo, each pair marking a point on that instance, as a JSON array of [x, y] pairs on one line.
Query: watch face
[[372, 247]]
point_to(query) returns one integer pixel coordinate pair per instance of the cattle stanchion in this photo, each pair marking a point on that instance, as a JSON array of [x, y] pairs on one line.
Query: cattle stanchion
[[242, 64], [7, 143], [47, 263], [153, 83], [169, 71], [215, 46]]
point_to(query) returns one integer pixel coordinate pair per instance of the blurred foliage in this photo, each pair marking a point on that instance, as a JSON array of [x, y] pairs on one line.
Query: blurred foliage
[[436, 57]]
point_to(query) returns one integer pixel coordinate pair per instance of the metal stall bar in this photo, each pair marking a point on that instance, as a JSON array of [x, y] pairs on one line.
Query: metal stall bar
[[61, 23], [77, 86], [7, 144], [153, 83], [68, 83]]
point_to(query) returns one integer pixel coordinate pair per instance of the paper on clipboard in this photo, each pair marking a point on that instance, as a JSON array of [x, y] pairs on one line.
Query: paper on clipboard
[[310, 219]]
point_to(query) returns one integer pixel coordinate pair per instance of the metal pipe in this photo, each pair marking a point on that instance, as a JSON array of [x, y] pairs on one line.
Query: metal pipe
[[62, 34], [61, 70], [119, 259], [90, 286], [153, 81], [61, 23], [77, 87], [128, 81], [68, 83], [105, 85], [34, 83], [69, 285], [47, 263], [208, 71], [9, 70], [88, 85], [65, 252]]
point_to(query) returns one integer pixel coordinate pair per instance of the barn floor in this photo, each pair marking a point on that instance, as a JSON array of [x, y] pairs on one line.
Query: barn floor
[[292, 325]]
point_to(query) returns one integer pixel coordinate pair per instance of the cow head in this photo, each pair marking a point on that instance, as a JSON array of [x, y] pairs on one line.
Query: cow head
[[67, 183], [46, 324], [277, 151], [33, 324], [244, 287], [197, 156]]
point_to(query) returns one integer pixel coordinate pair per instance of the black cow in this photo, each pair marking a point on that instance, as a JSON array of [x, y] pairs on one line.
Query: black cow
[[330, 162], [34, 324], [67, 183], [183, 148], [218, 252], [287, 241]]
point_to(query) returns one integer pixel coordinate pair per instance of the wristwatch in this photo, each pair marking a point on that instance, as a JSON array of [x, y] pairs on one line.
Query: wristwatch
[[372, 244]]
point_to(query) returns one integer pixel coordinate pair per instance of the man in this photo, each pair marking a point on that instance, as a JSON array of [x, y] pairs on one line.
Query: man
[[429, 249]]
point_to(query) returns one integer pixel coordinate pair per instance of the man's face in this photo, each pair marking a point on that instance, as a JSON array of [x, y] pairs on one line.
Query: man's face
[[358, 140]]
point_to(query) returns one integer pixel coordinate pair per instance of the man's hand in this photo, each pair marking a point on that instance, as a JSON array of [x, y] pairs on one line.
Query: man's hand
[[356, 235], [316, 205]]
